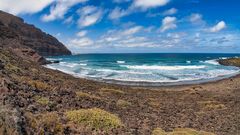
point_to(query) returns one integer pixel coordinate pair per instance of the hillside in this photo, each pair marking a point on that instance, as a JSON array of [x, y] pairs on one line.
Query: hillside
[[15, 33]]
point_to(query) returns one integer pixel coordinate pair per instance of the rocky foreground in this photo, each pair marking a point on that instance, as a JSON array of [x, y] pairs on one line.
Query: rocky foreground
[[37, 100]]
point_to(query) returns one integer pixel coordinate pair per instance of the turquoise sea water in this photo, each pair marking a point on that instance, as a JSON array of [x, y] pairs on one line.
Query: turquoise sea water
[[145, 69]]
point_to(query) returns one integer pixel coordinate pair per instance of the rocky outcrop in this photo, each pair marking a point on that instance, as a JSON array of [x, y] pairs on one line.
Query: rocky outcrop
[[230, 62], [30, 54], [15, 33]]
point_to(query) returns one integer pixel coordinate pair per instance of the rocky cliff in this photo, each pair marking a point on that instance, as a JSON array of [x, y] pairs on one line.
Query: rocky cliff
[[15, 33], [230, 62]]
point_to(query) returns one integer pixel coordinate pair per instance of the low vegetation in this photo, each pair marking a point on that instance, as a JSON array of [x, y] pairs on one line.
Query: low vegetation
[[180, 131], [95, 118], [86, 95], [47, 123], [12, 68], [158, 131], [39, 85], [42, 100], [111, 91], [123, 104], [154, 102], [211, 105]]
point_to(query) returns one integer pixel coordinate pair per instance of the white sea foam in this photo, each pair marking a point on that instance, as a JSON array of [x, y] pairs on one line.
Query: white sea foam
[[213, 62], [146, 67], [188, 61], [54, 59], [120, 62], [83, 64]]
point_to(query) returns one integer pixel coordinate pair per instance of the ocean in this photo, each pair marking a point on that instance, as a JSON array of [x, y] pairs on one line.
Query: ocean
[[146, 69]]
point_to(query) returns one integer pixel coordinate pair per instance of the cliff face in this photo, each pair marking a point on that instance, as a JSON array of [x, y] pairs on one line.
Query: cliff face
[[17, 34]]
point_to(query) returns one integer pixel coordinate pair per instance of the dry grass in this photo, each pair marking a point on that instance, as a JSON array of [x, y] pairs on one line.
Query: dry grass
[[180, 131], [35, 83], [45, 123], [94, 118], [154, 102], [111, 91], [211, 105], [39, 85], [158, 131], [86, 95], [42, 100], [123, 104], [12, 68]]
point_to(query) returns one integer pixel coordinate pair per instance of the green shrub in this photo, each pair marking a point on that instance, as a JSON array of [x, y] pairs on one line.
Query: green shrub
[[158, 131], [95, 118]]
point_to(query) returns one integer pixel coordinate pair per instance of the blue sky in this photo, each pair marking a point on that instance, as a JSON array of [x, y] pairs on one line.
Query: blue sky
[[125, 26]]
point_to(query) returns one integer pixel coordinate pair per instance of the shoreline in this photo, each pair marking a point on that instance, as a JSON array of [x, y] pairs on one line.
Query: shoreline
[[38, 91], [150, 84]]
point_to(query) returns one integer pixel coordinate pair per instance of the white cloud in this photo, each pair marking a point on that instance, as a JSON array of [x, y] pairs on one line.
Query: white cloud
[[80, 42], [145, 4], [89, 16], [116, 35], [129, 38], [17, 7], [131, 31], [196, 18], [61, 7], [170, 11], [117, 13], [69, 20], [81, 33], [218, 27], [168, 23]]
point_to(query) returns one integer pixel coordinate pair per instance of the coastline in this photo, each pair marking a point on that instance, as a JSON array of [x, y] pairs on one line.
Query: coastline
[[150, 84], [38, 92]]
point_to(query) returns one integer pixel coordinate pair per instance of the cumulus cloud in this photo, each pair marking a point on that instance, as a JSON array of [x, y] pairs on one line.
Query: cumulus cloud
[[145, 4], [89, 15], [17, 7], [170, 11], [117, 13], [168, 23], [196, 18], [218, 27], [59, 9]]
